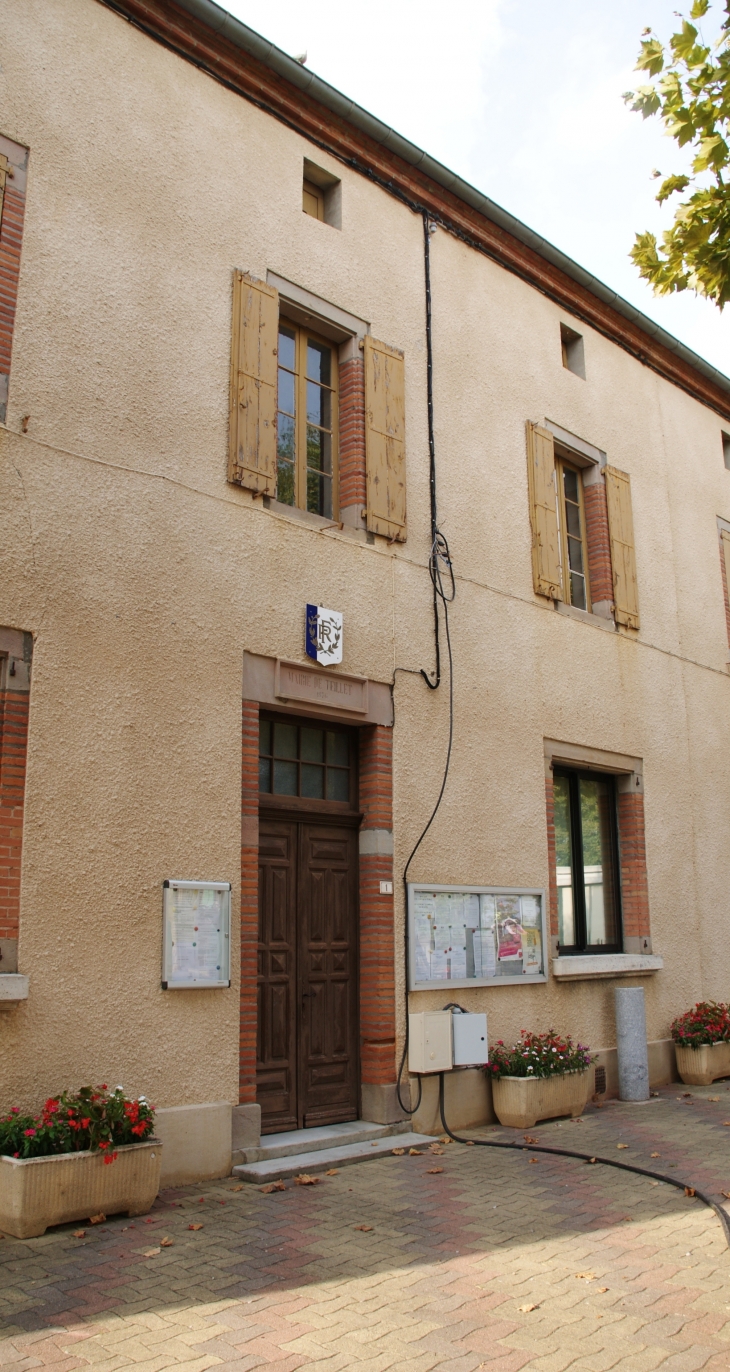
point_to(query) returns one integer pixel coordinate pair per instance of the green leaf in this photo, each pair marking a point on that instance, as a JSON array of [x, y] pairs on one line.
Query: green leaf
[[699, 8], [672, 183], [651, 57], [646, 101]]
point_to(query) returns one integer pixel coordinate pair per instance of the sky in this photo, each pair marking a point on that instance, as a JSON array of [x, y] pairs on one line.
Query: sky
[[523, 99]]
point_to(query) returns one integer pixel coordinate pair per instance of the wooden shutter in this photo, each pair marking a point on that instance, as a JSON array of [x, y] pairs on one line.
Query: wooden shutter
[[542, 488], [5, 172], [725, 545], [252, 432], [385, 448], [623, 555]]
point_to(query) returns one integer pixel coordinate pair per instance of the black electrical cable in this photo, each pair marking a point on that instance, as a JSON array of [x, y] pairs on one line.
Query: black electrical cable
[[443, 582], [590, 1158]]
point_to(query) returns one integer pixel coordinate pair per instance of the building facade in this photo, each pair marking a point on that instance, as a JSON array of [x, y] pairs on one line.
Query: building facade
[[218, 359]]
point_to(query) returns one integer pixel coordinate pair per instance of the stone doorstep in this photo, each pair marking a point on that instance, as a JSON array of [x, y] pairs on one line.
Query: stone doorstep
[[274, 1169], [325, 1136]]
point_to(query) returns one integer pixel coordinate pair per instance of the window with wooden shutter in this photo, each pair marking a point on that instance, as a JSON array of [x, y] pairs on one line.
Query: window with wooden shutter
[[252, 434], [541, 480], [623, 555], [385, 449]]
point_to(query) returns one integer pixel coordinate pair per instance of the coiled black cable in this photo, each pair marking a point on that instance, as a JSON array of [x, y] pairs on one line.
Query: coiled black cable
[[723, 1217]]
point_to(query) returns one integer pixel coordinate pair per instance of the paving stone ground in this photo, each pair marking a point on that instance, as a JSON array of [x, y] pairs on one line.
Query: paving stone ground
[[493, 1261]]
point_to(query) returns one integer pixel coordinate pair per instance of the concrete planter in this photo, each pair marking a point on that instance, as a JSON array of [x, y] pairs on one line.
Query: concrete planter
[[36, 1192], [700, 1066], [521, 1101]]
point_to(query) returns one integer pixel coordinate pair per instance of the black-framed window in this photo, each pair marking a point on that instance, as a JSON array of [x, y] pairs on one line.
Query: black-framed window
[[304, 760], [586, 860]]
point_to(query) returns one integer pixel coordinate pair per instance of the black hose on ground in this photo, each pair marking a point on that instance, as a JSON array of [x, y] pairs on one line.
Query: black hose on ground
[[723, 1217]]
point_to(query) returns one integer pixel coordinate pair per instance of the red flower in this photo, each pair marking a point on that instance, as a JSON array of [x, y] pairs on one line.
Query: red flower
[[15, 1109], [104, 1143], [109, 1157], [29, 1133], [16, 1155], [85, 1123]]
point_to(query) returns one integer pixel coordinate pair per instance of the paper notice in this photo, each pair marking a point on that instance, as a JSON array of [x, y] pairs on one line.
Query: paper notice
[[477, 947], [471, 912], [530, 911], [442, 907], [487, 952], [487, 911], [423, 965], [531, 951], [423, 931], [439, 968], [509, 931], [442, 937], [423, 903], [458, 962]]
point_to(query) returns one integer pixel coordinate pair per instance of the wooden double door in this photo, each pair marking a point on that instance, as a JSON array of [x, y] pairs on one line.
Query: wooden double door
[[307, 1067]]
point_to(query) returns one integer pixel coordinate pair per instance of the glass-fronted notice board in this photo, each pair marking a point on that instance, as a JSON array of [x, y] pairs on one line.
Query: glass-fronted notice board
[[196, 935], [475, 936]]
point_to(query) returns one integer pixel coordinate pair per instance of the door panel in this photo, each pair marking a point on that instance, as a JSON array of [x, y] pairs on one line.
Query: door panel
[[328, 1074], [276, 1068], [307, 1068]]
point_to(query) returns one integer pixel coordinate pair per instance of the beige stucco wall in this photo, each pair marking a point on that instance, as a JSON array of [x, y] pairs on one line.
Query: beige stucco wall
[[144, 576]]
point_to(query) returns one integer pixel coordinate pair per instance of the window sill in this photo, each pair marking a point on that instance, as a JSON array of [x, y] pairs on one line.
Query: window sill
[[13, 986], [595, 965], [598, 621], [315, 521]]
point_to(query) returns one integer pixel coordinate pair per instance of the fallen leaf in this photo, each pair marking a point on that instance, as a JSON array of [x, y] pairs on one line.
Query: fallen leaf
[[727, 1124], [445, 1139], [436, 1148], [622, 1145], [470, 1143], [626, 1217], [267, 1190], [166, 1243], [332, 1172], [236, 1188], [713, 1098], [534, 1159], [527, 1308], [726, 1194], [150, 1252], [529, 1139], [195, 1226], [602, 1289], [653, 1183], [585, 1276], [374, 1145], [690, 1191], [305, 1180], [592, 1159], [415, 1153], [398, 1152], [97, 1219], [685, 1094], [432, 1171], [656, 1155], [364, 1228], [81, 1233]]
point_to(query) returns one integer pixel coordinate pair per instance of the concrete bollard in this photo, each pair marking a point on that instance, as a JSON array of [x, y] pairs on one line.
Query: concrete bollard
[[632, 1051]]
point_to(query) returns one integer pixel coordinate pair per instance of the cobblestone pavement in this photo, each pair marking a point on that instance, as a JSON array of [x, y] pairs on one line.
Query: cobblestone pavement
[[467, 1259]]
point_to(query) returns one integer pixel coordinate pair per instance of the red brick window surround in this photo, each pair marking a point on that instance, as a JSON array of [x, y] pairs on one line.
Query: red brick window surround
[[15, 661], [635, 920], [11, 234], [723, 529]]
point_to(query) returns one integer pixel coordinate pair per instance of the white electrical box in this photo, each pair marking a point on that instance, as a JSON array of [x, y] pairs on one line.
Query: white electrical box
[[470, 1040], [430, 1041]]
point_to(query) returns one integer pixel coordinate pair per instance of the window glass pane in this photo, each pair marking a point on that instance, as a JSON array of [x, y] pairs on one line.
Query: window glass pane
[[285, 483], [285, 778], [264, 774], [564, 862], [570, 484], [578, 591], [338, 749], [285, 740], [312, 781], [265, 736], [572, 519], [338, 784], [319, 495], [286, 391], [312, 745], [596, 802], [575, 555], [319, 405], [287, 349], [319, 449], [318, 362]]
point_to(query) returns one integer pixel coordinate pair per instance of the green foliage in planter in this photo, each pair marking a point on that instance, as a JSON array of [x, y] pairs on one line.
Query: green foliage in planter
[[709, 1022], [537, 1055], [91, 1118]]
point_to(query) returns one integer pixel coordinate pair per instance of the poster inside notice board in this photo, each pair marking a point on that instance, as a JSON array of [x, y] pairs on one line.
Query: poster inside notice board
[[196, 935], [475, 936]]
